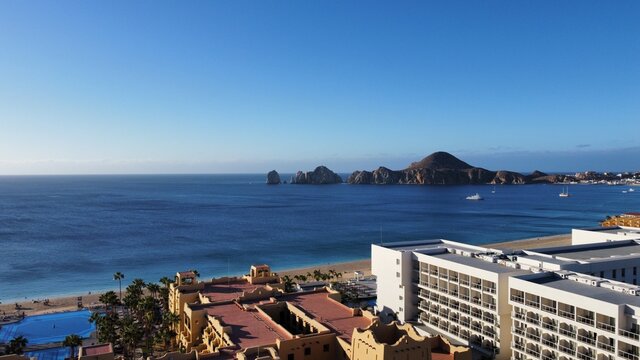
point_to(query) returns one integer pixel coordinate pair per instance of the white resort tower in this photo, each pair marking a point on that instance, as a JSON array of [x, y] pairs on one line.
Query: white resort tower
[[578, 301]]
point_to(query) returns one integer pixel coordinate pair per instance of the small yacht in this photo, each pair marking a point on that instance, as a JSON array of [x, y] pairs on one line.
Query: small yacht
[[494, 190], [564, 193], [475, 197], [632, 189]]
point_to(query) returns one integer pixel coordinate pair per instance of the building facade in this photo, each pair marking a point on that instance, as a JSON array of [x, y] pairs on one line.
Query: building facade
[[468, 293]]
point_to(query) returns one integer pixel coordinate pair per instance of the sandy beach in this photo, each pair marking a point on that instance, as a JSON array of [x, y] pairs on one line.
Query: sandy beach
[[69, 303]]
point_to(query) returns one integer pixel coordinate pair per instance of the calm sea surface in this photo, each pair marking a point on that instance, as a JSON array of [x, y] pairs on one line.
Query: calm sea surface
[[69, 234]]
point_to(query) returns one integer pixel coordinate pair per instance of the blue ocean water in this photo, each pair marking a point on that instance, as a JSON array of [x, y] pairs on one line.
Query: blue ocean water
[[69, 234]]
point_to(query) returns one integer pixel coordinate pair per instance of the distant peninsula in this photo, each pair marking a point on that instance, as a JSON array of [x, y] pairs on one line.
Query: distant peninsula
[[439, 168], [442, 168]]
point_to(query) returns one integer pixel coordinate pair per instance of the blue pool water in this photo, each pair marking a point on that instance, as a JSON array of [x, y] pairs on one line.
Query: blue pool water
[[60, 353], [69, 234], [43, 329]]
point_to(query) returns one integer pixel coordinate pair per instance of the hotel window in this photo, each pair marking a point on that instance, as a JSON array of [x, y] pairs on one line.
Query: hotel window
[[290, 357], [397, 261], [622, 272], [325, 347], [635, 270], [307, 351], [601, 274], [397, 274], [613, 273]]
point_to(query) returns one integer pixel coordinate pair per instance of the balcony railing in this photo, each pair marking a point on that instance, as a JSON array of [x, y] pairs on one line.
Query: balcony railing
[[549, 309], [532, 320], [586, 339], [533, 337], [489, 289], [567, 332], [549, 326], [628, 355], [517, 298], [629, 334], [550, 343], [605, 326], [518, 315], [566, 349], [606, 347], [585, 320], [566, 314], [586, 356], [532, 303]]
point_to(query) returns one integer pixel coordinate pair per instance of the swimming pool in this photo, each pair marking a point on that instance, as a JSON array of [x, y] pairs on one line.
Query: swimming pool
[[59, 353], [43, 329]]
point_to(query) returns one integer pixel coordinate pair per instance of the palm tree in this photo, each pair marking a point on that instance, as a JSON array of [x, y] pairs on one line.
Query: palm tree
[[166, 281], [288, 283], [110, 299], [72, 341], [153, 289], [17, 345], [119, 276], [131, 335]]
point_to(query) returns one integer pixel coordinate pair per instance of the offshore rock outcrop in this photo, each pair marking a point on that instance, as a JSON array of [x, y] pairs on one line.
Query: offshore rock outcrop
[[320, 176], [439, 168], [273, 178]]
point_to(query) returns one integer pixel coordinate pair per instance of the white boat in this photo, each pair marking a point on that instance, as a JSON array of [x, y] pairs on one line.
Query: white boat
[[475, 197], [624, 191], [494, 190], [632, 189], [564, 193]]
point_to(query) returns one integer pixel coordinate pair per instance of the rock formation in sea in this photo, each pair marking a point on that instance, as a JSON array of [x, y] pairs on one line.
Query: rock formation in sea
[[437, 168], [320, 176], [273, 178]]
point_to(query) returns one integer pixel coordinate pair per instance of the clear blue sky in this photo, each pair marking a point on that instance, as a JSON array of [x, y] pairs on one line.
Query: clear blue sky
[[236, 86]]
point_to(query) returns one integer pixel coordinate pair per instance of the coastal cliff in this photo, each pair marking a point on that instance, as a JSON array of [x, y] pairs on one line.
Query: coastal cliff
[[439, 168], [320, 176]]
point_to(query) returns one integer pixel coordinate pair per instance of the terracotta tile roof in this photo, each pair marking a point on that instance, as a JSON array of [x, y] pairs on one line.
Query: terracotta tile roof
[[227, 291], [94, 350], [329, 312], [248, 328]]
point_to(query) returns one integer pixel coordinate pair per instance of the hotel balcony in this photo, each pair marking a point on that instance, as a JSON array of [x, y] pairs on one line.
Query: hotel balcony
[[632, 334]]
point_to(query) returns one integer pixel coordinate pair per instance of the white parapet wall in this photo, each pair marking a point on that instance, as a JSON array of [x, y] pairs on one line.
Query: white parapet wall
[[597, 235]]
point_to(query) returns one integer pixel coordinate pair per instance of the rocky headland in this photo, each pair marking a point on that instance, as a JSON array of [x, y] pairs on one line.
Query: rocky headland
[[320, 176], [440, 168]]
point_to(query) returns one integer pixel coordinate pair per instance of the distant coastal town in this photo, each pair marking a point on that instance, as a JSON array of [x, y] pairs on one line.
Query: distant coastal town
[[426, 299]]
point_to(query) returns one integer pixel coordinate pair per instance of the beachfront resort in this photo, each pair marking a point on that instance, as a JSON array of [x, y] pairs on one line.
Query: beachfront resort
[[435, 299]]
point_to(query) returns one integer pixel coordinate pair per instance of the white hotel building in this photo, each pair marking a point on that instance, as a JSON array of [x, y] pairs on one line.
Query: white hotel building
[[572, 302]]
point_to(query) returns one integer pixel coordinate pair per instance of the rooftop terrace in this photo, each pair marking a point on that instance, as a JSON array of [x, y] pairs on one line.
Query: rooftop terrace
[[227, 291], [336, 316], [249, 328], [593, 251], [555, 281]]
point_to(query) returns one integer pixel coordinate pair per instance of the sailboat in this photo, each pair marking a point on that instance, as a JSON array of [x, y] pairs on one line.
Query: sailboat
[[494, 190], [564, 193]]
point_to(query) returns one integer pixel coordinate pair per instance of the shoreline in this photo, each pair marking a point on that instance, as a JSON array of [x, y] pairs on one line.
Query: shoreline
[[347, 268]]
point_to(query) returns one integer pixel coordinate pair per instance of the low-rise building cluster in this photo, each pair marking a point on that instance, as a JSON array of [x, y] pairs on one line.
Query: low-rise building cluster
[[252, 317]]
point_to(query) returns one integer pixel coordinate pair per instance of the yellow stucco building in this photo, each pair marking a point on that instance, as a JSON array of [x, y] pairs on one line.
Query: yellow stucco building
[[253, 318]]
